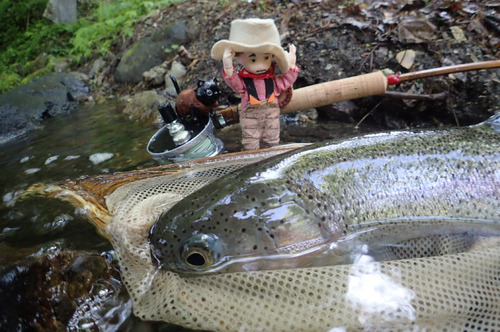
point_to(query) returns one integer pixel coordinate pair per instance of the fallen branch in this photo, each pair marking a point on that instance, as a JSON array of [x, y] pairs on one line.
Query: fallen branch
[[405, 95]]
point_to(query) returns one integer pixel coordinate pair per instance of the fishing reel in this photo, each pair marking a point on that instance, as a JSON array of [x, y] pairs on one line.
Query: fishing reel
[[183, 138], [188, 131]]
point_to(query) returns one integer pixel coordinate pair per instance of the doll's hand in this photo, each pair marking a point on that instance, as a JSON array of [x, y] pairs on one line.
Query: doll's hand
[[227, 60], [292, 58]]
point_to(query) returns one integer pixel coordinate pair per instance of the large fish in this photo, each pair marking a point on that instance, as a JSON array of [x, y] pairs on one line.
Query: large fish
[[384, 194]]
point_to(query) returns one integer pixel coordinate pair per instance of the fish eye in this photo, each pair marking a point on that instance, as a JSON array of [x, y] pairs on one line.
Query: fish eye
[[201, 251], [197, 259]]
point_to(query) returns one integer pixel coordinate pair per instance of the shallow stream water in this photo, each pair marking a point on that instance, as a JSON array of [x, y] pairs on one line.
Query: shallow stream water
[[90, 141]]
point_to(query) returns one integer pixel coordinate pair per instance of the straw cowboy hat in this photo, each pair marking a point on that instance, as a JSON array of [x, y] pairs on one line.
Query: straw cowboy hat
[[254, 35]]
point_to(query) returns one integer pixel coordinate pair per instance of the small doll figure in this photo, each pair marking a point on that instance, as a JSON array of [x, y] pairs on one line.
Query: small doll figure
[[256, 45]]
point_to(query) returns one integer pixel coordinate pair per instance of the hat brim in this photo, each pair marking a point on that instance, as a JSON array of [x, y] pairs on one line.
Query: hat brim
[[280, 56]]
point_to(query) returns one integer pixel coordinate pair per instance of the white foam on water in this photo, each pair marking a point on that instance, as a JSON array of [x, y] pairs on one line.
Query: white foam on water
[[8, 197], [51, 159], [32, 170], [98, 158], [71, 157]]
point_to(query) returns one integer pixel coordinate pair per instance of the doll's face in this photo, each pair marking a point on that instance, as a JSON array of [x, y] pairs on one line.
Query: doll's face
[[255, 63]]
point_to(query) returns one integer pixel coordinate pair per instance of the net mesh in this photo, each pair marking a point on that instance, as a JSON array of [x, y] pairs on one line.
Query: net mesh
[[454, 288]]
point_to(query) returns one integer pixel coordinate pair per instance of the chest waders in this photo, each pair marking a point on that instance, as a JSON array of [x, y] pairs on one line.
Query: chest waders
[[261, 119]]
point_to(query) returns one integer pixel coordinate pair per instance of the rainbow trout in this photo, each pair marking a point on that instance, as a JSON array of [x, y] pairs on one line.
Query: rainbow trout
[[390, 195]]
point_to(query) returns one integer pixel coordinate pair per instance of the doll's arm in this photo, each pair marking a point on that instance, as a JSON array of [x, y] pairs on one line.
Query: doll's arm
[[292, 57], [227, 60], [287, 79]]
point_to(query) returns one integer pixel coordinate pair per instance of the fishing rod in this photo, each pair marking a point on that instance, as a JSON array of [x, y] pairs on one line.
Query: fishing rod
[[365, 85]]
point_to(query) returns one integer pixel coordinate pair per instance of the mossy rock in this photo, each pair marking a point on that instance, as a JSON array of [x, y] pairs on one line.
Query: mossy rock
[[150, 52], [144, 106]]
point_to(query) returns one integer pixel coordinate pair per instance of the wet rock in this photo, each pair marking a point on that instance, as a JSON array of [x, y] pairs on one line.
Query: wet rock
[[155, 76], [343, 111], [61, 11], [13, 123], [54, 291], [96, 67], [81, 76], [300, 116], [76, 89], [150, 52], [60, 66], [179, 72], [144, 106], [42, 98]]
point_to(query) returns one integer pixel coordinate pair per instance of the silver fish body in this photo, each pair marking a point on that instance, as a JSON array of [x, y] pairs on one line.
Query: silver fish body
[[316, 206]]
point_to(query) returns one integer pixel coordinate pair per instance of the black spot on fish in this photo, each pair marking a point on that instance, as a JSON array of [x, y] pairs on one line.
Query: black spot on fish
[[255, 247], [243, 230]]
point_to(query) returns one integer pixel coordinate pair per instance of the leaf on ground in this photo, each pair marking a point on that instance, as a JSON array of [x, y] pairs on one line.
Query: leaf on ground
[[406, 58], [416, 31]]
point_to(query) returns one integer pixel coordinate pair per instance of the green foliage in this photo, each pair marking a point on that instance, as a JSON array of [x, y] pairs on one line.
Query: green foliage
[[46, 69], [26, 34], [17, 16], [109, 21], [8, 80]]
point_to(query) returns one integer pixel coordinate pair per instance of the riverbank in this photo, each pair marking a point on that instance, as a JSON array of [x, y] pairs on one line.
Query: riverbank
[[334, 41]]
